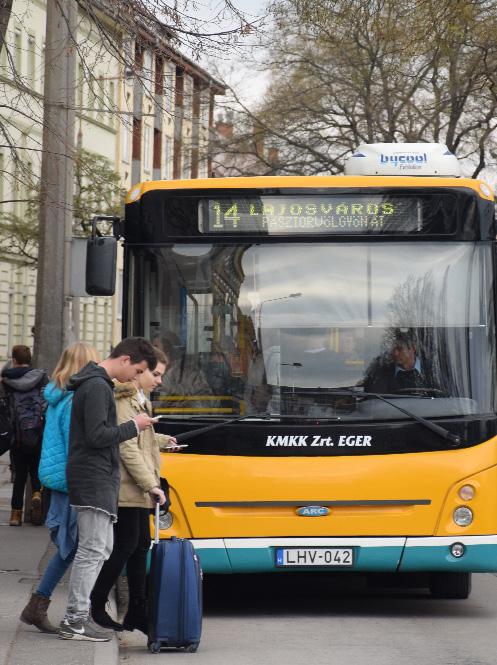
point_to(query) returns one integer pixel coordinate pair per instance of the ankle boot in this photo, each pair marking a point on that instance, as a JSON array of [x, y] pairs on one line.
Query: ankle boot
[[137, 615], [35, 614], [101, 616], [15, 517], [36, 509]]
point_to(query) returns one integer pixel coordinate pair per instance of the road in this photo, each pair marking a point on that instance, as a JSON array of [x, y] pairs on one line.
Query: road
[[288, 619]]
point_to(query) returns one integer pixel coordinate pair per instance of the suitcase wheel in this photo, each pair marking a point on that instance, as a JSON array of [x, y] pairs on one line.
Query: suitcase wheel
[[154, 647], [192, 648]]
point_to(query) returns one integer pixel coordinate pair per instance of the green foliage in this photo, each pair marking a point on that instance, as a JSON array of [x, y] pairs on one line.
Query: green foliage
[[97, 190]]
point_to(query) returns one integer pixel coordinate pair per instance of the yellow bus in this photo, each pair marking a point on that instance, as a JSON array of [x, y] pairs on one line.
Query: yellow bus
[[340, 331]]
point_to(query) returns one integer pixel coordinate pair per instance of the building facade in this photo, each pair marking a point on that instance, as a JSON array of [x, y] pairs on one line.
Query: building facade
[[140, 104]]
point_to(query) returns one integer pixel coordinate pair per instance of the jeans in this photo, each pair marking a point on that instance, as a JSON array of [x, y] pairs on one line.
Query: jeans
[[131, 545], [24, 463], [95, 535], [54, 572]]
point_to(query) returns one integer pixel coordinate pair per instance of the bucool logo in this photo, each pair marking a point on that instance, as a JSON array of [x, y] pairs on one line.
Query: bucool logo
[[404, 158], [313, 511]]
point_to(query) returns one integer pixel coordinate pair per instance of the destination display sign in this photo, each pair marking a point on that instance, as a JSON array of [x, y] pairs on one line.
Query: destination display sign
[[327, 214]]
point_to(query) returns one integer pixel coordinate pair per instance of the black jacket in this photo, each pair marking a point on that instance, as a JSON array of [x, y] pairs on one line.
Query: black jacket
[[382, 377], [94, 438]]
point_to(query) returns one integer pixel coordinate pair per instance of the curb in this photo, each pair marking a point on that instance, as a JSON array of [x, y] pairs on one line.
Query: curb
[[107, 653]]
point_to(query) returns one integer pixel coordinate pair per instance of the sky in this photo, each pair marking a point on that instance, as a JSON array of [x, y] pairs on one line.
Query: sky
[[232, 67]]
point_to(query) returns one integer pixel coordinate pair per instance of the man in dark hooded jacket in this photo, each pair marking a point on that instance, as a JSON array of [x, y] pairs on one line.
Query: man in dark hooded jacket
[[93, 472], [22, 380]]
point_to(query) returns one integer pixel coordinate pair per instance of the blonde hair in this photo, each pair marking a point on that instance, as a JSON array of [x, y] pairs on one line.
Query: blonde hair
[[73, 359]]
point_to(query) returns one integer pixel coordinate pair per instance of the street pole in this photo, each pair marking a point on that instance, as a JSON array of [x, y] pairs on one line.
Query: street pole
[[53, 320]]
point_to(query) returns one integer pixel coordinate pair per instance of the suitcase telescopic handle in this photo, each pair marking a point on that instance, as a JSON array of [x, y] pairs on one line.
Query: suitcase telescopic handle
[[156, 521]]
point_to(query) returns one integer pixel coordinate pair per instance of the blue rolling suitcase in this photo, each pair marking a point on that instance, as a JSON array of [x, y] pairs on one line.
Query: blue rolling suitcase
[[175, 594]]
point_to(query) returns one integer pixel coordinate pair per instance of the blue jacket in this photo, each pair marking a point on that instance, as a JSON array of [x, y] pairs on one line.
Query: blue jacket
[[54, 447]]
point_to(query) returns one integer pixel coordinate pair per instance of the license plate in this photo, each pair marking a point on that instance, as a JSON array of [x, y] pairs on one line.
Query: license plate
[[314, 556]]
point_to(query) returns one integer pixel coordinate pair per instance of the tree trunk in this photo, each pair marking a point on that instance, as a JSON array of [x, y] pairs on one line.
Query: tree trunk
[[5, 11]]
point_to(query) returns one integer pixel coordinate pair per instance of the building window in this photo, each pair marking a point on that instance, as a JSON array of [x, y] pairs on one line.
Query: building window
[[147, 68], [101, 99], [159, 76], [168, 158], [81, 79], [16, 189], [188, 98], [31, 55], [169, 79], [128, 59], [3, 61], [18, 51], [27, 186], [125, 143], [147, 145], [2, 180], [92, 99], [204, 111], [187, 163], [112, 103], [157, 151], [202, 167], [42, 67], [137, 139]]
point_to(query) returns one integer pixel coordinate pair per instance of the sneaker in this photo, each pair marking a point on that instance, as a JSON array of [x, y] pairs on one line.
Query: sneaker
[[83, 630]]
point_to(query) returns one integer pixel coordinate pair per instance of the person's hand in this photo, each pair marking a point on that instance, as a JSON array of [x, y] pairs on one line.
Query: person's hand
[[143, 421], [172, 445], [157, 492]]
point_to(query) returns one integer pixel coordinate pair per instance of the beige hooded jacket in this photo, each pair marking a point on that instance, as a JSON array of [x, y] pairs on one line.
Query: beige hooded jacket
[[139, 457]]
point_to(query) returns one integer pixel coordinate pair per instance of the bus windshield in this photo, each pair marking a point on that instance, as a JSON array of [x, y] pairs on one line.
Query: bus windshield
[[280, 328]]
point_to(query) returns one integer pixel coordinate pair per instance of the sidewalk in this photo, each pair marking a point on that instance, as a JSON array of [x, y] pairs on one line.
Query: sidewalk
[[24, 553]]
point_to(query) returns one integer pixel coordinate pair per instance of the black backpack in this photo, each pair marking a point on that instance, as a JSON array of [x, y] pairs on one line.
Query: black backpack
[[27, 411], [6, 429]]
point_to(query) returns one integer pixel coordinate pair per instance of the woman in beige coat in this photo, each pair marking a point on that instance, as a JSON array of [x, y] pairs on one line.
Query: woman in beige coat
[[140, 485]]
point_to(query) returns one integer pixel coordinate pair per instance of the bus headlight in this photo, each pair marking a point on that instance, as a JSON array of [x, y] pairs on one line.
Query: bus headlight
[[467, 492], [165, 521], [463, 516]]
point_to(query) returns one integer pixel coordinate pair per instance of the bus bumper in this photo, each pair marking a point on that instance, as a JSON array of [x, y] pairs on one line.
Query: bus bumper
[[395, 554], [434, 553]]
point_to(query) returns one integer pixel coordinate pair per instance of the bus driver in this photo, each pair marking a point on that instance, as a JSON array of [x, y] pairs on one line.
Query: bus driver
[[402, 369]]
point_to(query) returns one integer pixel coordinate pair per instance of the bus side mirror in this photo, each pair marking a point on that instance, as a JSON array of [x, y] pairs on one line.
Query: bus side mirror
[[101, 259]]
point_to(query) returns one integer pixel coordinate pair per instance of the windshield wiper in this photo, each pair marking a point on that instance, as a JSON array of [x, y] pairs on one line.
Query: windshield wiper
[[437, 429], [383, 397], [193, 433], [277, 416]]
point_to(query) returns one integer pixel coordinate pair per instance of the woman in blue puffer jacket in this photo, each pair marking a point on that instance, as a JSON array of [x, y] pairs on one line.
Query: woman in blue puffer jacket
[[61, 519]]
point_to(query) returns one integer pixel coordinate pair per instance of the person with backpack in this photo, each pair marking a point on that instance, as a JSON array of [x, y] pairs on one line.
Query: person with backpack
[[6, 431], [24, 389], [61, 518]]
